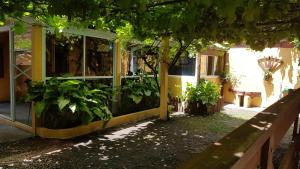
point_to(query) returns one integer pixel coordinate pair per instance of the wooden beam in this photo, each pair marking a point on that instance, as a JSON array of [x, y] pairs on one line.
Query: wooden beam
[[164, 78], [117, 76], [37, 61], [198, 67]]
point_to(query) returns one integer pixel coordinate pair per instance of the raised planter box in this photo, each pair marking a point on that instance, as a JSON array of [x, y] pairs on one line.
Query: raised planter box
[[95, 126]]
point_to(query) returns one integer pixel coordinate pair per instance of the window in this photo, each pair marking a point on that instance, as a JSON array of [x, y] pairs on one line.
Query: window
[[133, 62], [99, 57], [210, 65], [185, 66], [78, 57], [64, 55]]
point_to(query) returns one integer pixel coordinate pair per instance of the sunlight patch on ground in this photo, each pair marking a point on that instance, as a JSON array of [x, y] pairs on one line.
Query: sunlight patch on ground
[[35, 157], [27, 160], [149, 137], [177, 114], [199, 136], [120, 134], [103, 158], [53, 152], [185, 133], [84, 144], [102, 148], [241, 112], [233, 106]]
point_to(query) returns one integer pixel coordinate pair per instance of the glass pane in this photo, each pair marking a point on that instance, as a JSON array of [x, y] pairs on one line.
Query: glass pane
[[133, 62], [99, 57], [22, 75], [126, 63], [64, 55], [211, 65], [4, 75]]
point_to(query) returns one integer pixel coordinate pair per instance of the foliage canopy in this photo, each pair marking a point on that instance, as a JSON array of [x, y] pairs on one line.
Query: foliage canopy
[[258, 23]]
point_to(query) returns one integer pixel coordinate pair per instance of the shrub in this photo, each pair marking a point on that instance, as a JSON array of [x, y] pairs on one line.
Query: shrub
[[201, 97], [67, 103], [139, 94]]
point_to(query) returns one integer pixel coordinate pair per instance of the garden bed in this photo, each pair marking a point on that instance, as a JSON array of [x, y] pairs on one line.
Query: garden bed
[[95, 126]]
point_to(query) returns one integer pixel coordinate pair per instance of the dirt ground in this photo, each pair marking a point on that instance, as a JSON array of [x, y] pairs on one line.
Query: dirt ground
[[150, 144]]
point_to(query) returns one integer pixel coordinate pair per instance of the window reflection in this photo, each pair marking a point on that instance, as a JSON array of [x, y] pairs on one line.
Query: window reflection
[[22, 75], [133, 62], [23, 55], [64, 55], [99, 57], [210, 65]]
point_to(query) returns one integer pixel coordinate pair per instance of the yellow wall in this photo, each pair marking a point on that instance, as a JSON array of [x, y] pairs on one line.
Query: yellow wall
[[177, 83], [4, 82], [243, 64]]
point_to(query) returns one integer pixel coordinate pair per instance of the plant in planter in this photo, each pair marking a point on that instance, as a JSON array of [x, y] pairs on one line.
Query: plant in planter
[[139, 94], [68, 103], [200, 99], [268, 76], [231, 79]]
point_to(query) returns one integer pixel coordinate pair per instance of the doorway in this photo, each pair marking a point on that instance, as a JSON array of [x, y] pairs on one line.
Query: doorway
[[15, 55], [5, 96]]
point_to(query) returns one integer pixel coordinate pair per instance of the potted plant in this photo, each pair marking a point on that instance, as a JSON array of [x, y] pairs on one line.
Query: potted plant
[[200, 99], [230, 78], [268, 76], [63, 104]]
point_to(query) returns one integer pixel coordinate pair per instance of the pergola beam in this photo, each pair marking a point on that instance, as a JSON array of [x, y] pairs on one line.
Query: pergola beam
[[164, 78]]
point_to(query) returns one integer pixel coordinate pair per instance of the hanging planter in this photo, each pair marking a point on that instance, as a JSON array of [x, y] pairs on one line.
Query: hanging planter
[[268, 76], [269, 65]]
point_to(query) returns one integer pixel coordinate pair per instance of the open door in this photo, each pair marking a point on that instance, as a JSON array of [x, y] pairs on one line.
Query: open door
[[5, 55], [15, 74]]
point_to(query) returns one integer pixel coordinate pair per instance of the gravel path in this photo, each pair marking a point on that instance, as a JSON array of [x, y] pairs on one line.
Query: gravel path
[[145, 145]]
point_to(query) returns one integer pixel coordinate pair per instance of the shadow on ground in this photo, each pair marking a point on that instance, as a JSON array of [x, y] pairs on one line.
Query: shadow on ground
[[149, 144]]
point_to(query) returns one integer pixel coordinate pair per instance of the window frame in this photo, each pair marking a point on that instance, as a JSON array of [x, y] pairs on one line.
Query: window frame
[[84, 33], [214, 66]]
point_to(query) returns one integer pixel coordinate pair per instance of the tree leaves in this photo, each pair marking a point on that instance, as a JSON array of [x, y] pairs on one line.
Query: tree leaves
[[233, 21]]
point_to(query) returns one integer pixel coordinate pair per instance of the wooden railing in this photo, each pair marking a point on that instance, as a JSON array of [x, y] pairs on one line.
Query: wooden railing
[[251, 146]]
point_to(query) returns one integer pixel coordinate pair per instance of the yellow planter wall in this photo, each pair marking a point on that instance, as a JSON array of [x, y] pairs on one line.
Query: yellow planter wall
[[177, 83]]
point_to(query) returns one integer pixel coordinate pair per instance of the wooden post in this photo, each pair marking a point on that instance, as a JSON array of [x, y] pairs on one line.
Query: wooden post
[[117, 77], [164, 78], [198, 67], [37, 62]]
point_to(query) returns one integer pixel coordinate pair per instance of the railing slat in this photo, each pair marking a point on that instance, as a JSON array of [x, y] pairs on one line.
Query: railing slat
[[287, 161]]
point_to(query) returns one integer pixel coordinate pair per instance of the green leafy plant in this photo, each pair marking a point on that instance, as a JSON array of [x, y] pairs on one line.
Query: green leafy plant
[[141, 87], [201, 97], [67, 103], [230, 78], [139, 94], [206, 92]]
